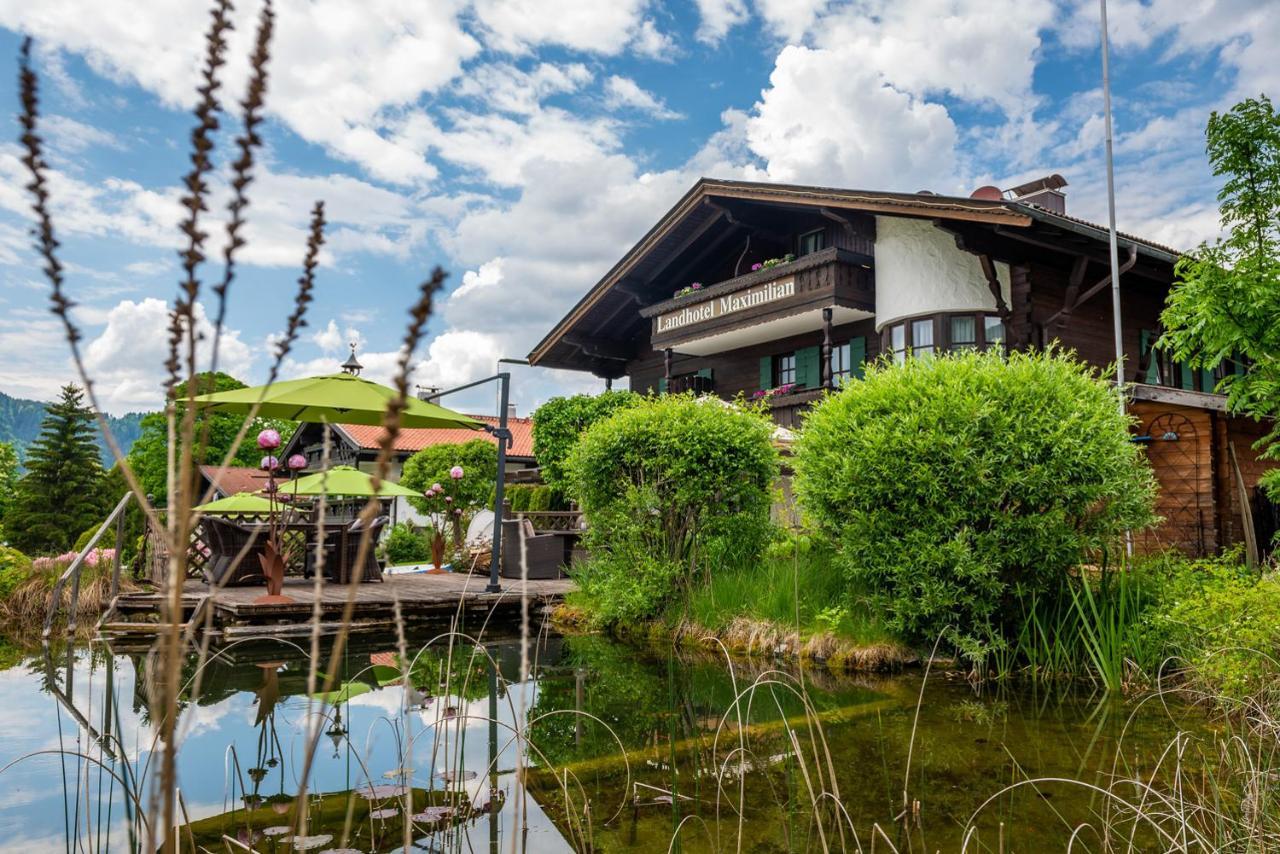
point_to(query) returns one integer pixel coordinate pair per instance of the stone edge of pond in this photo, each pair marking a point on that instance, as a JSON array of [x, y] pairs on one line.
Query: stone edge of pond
[[758, 639]]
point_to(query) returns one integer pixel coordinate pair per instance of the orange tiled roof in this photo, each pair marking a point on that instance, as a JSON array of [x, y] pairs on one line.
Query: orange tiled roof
[[410, 440], [235, 479]]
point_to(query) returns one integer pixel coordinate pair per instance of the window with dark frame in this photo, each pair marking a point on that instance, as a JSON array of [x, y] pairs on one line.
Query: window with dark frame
[[784, 369], [898, 342], [964, 332], [947, 331], [992, 330], [811, 241], [841, 364], [922, 337]]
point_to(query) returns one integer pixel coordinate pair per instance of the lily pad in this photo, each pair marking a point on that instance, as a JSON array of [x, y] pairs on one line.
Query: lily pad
[[452, 776], [431, 815], [381, 792], [306, 843], [384, 813], [343, 693], [278, 830]]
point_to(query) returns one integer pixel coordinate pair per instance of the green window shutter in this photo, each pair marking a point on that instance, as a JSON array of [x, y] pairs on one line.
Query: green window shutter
[[1207, 380], [705, 373], [662, 385], [857, 356], [1153, 369], [809, 367], [766, 372], [1186, 377]]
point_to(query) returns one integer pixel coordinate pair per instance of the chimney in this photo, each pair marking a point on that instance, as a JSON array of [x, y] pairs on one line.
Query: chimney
[[511, 411], [1045, 193]]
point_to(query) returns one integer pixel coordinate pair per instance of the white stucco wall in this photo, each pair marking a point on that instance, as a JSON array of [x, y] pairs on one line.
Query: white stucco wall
[[920, 270]]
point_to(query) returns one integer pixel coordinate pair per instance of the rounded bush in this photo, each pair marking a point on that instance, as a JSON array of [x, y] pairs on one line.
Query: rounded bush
[[405, 544], [672, 487], [15, 568], [559, 422], [479, 462], [958, 487]]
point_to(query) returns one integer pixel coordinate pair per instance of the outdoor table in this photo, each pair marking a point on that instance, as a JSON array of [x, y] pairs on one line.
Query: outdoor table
[[234, 548]]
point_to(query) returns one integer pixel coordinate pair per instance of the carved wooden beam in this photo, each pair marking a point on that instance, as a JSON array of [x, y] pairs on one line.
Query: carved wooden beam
[[993, 282], [1072, 296], [1104, 282]]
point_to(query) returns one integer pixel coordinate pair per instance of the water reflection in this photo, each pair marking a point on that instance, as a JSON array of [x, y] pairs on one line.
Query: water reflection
[[445, 747]]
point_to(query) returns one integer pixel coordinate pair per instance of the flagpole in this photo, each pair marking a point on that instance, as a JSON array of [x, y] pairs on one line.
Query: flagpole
[[1111, 206]]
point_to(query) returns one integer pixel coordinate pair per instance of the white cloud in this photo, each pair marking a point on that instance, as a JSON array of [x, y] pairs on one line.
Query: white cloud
[[624, 93], [68, 136], [336, 67], [868, 133], [512, 90], [126, 360], [516, 26], [334, 340], [500, 149], [790, 19], [717, 17], [651, 42], [977, 50]]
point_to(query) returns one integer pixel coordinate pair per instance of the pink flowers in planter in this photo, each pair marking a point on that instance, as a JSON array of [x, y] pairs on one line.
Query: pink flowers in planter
[[60, 562], [756, 267]]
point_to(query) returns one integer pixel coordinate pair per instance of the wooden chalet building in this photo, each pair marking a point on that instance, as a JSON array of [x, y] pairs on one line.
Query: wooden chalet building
[[743, 287]]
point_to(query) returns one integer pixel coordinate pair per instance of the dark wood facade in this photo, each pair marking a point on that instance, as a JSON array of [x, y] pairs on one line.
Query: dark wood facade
[[693, 307]]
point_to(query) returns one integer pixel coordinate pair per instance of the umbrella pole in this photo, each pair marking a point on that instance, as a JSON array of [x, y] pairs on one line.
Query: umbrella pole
[[502, 434]]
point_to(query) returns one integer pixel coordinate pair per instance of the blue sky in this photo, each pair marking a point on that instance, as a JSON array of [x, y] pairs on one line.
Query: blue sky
[[525, 144]]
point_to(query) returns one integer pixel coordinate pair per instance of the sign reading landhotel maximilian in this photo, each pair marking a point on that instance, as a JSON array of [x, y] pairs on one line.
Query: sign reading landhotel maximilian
[[727, 304]]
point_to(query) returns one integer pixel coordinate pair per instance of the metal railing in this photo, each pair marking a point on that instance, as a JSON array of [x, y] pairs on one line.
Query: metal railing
[[72, 572]]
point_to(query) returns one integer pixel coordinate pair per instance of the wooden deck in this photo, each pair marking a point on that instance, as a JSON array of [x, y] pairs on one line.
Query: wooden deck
[[421, 597]]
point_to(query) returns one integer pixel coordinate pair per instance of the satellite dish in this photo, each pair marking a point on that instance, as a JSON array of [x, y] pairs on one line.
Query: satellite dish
[[987, 193]]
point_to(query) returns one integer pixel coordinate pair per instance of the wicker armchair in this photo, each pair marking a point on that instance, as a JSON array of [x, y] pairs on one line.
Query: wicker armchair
[[233, 552], [348, 549], [544, 553]]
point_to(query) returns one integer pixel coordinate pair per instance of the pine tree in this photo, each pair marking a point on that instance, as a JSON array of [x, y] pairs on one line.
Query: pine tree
[[61, 494]]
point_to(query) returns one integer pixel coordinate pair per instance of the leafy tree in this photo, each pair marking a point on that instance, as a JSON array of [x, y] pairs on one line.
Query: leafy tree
[[1226, 304], [559, 422], [149, 454], [673, 487], [479, 462], [61, 493], [8, 480], [956, 488]]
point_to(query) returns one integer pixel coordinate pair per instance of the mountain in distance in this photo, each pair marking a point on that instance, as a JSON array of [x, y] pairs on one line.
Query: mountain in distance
[[20, 425]]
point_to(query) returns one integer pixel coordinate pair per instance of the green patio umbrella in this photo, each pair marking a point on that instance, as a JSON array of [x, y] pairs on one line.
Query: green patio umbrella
[[335, 399], [241, 502], [342, 480]]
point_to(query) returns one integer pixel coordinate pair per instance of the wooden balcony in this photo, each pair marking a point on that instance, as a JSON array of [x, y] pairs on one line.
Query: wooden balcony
[[766, 304]]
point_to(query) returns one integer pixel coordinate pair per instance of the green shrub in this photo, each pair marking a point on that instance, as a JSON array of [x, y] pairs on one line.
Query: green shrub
[[479, 462], [958, 487], [108, 540], [518, 494], [672, 488], [406, 544], [1222, 620], [559, 422], [540, 499], [15, 567]]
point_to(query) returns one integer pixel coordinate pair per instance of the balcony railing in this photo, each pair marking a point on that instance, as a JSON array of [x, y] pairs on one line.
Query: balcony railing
[[695, 383]]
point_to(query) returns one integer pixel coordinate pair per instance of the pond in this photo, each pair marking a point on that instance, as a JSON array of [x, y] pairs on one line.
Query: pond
[[602, 746]]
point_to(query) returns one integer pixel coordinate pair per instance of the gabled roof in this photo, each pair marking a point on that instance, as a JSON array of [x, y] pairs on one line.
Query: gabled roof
[[693, 213], [234, 479], [412, 440], [612, 299]]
